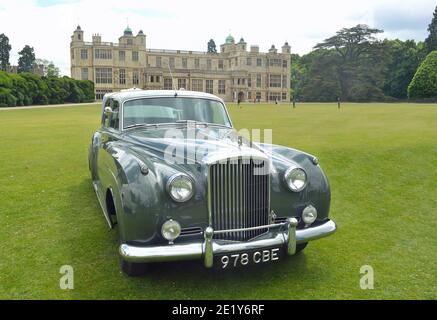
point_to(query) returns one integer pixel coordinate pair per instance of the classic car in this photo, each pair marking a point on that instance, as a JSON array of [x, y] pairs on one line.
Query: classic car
[[180, 183]]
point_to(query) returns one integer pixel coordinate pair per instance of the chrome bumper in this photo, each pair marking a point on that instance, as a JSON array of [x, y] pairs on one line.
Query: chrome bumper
[[286, 236]]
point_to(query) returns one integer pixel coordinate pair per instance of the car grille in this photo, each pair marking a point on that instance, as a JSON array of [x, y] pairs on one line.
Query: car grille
[[239, 198]]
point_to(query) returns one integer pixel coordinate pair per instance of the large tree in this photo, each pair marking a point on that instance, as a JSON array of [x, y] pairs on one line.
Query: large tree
[[211, 46], [424, 83], [26, 59], [431, 40], [353, 46], [5, 48], [405, 57]]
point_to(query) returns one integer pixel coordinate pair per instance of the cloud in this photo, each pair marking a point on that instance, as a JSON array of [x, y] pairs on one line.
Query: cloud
[[48, 24]]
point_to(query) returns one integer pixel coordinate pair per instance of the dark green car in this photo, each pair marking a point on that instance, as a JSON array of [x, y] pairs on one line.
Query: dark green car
[[181, 183]]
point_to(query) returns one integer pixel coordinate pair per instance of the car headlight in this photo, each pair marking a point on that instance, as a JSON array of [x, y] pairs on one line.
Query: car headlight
[[309, 215], [296, 179], [170, 230], [180, 187]]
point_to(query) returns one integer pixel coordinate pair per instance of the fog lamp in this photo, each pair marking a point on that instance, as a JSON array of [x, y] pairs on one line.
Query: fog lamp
[[309, 215], [170, 230]]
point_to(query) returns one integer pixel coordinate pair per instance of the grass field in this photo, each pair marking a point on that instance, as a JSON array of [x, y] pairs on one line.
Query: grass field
[[381, 160]]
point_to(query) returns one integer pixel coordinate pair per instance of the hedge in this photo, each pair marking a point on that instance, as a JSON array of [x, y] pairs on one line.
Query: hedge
[[27, 89]]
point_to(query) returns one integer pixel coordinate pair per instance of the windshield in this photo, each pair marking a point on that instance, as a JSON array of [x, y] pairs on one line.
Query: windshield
[[172, 110]]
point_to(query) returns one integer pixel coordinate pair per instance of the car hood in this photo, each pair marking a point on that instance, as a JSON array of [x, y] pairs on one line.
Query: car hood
[[194, 145]]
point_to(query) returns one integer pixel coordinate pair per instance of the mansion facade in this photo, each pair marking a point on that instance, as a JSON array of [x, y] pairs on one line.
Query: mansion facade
[[233, 73]]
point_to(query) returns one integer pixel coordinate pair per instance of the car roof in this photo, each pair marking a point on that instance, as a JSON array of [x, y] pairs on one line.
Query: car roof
[[130, 94]]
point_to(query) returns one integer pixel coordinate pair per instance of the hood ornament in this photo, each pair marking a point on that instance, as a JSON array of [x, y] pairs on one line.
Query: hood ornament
[[240, 141]]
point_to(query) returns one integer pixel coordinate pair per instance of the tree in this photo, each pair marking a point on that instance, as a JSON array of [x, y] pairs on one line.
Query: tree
[[405, 57], [26, 59], [211, 46], [5, 48], [351, 45], [431, 40], [424, 83], [50, 70]]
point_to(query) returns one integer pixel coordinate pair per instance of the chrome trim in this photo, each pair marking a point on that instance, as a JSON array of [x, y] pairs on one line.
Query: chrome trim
[[209, 247], [238, 197], [170, 181], [291, 233], [288, 172]]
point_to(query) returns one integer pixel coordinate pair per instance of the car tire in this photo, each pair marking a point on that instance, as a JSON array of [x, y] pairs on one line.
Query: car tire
[[133, 269], [300, 247]]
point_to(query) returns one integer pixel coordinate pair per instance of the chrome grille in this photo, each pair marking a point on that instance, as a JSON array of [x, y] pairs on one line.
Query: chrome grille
[[239, 198]]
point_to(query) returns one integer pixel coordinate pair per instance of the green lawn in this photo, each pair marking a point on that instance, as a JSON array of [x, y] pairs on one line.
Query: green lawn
[[381, 160]]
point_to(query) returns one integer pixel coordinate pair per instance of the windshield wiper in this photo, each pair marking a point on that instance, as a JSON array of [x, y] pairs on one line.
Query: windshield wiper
[[196, 123], [137, 125]]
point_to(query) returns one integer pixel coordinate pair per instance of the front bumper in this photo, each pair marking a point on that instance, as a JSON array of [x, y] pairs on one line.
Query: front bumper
[[279, 235]]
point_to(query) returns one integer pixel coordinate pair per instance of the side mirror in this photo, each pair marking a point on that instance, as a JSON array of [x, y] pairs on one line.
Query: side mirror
[[108, 111]]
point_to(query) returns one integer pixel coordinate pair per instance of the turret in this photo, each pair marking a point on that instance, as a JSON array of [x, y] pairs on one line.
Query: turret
[[286, 48], [273, 49], [77, 36]]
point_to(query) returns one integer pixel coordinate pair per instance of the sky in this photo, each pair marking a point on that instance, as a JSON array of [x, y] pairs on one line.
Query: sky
[[47, 25]]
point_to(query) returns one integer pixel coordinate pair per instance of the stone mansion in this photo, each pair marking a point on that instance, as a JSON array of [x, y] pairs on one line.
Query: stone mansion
[[233, 73]]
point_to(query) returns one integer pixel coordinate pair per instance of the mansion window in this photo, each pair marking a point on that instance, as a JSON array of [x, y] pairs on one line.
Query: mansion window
[[121, 55], [220, 64], [101, 92], [184, 63], [249, 82], [258, 96], [122, 76], [135, 78], [197, 85], [104, 75], [168, 83], [84, 54], [209, 86], [249, 61], [135, 56], [259, 62], [196, 63], [208, 64], [130, 42], [103, 54], [221, 87], [284, 81], [258, 81], [171, 62], [84, 74], [274, 96], [284, 63], [275, 81], [155, 79], [158, 61], [182, 83], [275, 62], [284, 96]]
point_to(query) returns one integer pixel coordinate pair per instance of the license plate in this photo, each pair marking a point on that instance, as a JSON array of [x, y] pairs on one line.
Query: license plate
[[243, 259]]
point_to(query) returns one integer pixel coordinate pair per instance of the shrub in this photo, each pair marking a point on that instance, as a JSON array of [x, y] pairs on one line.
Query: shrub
[[27, 88], [424, 83]]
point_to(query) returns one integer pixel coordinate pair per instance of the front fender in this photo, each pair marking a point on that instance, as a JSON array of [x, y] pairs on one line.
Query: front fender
[[286, 203]]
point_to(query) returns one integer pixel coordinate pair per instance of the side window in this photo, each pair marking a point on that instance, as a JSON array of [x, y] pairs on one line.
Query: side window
[[114, 122]]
